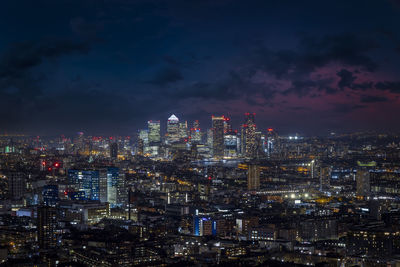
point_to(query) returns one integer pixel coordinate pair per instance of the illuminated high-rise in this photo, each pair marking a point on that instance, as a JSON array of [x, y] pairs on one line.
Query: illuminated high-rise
[[227, 125], [154, 137], [183, 130], [230, 144], [271, 142], [144, 141], [218, 136], [173, 131], [195, 133], [85, 181], [210, 140], [249, 142], [154, 132]]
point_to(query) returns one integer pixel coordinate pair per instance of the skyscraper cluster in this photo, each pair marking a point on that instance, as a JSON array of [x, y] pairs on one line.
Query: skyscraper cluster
[[220, 141]]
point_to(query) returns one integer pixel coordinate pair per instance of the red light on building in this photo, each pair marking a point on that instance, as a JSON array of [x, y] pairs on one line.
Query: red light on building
[[56, 164], [209, 178], [270, 129], [43, 163], [49, 169]]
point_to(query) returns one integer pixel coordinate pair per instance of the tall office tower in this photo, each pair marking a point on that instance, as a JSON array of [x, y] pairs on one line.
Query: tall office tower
[[324, 178], [79, 142], [210, 140], [218, 136], [103, 185], [253, 177], [173, 133], [50, 195], [122, 193], [183, 130], [271, 142], [154, 138], [144, 138], [112, 185], [249, 142], [86, 181], [47, 227], [258, 151], [230, 144], [16, 185], [114, 150], [363, 182], [227, 125], [195, 133], [154, 133]]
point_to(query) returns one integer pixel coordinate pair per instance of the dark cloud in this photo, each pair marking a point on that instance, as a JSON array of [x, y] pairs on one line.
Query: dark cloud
[[347, 108], [348, 49], [234, 86], [307, 87], [373, 99], [298, 65], [346, 78], [149, 58], [85, 29], [167, 76], [17, 63], [313, 53], [347, 81], [393, 87]]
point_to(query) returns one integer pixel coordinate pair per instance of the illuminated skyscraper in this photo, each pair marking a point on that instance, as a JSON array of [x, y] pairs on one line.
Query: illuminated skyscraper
[[218, 136], [79, 142], [230, 144], [144, 141], [210, 140], [183, 130], [154, 137], [173, 132], [154, 133], [258, 151], [112, 185], [195, 133], [249, 142], [227, 125], [87, 181], [271, 144], [253, 177]]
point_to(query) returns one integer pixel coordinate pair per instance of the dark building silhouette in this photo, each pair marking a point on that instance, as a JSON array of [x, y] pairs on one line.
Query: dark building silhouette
[[113, 150], [46, 227]]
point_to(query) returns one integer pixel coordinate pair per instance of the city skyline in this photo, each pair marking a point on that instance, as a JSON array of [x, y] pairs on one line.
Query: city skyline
[[109, 66], [200, 133]]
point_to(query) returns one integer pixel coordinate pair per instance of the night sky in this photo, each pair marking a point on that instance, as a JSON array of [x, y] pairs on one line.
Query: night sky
[[106, 67]]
